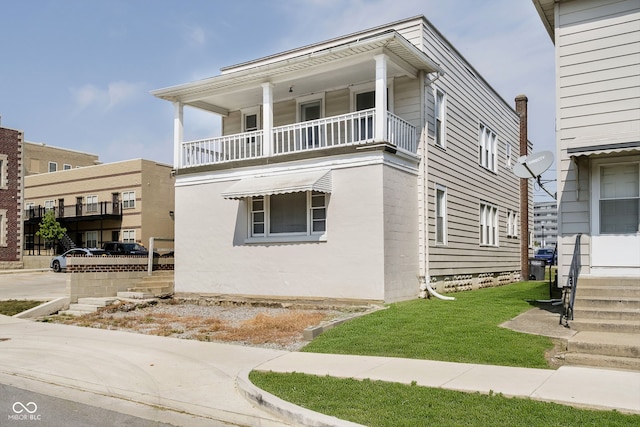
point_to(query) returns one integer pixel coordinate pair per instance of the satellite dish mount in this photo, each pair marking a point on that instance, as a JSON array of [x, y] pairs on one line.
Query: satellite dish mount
[[533, 166]]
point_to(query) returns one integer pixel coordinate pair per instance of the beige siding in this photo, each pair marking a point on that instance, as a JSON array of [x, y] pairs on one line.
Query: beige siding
[[38, 156], [598, 78]]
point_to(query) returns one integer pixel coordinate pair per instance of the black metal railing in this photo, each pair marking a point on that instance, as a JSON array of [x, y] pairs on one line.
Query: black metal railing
[[75, 211], [569, 291]]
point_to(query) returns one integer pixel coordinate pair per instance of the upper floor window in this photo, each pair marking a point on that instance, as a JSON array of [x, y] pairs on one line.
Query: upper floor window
[[507, 150], [487, 148], [66, 167], [290, 214], [53, 166], [91, 203], [49, 205], [488, 224], [439, 111], [3, 172], [128, 199]]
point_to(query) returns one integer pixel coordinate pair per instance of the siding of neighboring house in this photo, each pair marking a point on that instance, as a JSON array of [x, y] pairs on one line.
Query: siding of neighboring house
[[598, 85], [11, 150]]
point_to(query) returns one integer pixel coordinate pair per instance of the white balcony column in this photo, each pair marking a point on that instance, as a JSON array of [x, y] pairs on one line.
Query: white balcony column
[[178, 133], [267, 119], [381, 98]]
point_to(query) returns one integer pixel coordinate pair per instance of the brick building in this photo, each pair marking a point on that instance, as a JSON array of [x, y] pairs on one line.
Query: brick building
[[11, 185]]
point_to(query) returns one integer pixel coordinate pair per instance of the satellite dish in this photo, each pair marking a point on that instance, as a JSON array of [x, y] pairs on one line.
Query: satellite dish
[[534, 165]]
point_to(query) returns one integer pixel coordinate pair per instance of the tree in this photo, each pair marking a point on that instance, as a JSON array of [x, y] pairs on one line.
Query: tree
[[50, 229]]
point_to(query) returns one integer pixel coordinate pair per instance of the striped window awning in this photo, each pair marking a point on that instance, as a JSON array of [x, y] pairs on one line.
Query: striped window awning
[[280, 184]]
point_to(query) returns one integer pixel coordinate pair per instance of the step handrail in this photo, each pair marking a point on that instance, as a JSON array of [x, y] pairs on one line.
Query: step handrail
[[569, 291]]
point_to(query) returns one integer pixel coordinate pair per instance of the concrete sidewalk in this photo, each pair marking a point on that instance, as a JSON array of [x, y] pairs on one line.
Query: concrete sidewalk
[[191, 383]]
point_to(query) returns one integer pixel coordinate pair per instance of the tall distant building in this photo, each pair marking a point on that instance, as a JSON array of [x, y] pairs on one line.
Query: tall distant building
[[545, 224]]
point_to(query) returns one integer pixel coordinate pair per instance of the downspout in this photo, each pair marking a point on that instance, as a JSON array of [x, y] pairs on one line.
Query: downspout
[[425, 286]]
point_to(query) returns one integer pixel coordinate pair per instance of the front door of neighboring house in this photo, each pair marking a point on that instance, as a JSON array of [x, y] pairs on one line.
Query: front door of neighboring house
[[615, 207], [310, 135]]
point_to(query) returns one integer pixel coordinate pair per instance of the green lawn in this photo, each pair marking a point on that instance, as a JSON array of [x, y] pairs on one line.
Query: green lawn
[[11, 307], [380, 404], [465, 330]]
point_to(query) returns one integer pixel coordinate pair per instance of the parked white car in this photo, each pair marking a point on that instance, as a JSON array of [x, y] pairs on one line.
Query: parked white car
[[59, 262]]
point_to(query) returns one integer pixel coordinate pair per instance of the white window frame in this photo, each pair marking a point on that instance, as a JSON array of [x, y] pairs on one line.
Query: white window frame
[[371, 87], [91, 203], [49, 205], [4, 178], [128, 199], [91, 236], [254, 111], [264, 213], [66, 167], [598, 165], [3, 227], [508, 153], [487, 148], [129, 236], [440, 115], [54, 165], [512, 223], [488, 224], [440, 210]]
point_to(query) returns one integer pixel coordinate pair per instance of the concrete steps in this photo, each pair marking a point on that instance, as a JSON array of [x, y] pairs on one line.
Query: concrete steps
[[88, 305], [607, 317], [160, 283]]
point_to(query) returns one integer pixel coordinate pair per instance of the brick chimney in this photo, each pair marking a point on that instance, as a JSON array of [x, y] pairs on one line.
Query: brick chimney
[[521, 110]]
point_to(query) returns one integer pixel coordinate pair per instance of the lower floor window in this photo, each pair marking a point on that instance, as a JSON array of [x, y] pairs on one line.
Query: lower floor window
[[91, 238], [488, 225], [294, 214], [620, 199], [129, 236]]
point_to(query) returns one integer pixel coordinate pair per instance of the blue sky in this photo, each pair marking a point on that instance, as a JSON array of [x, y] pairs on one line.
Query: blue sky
[[77, 73]]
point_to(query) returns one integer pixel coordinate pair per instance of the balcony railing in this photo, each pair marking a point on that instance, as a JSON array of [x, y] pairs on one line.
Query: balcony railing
[[85, 210], [346, 129]]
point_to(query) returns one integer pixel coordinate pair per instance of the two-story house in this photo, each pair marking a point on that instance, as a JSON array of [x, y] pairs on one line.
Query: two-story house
[[365, 167], [598, 132]]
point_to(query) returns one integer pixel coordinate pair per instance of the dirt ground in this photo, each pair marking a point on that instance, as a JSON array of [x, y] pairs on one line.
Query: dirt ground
[[262, 326]]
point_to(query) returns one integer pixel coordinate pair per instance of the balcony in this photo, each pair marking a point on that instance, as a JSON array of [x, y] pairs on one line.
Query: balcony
[[77, 212], [347, 129]]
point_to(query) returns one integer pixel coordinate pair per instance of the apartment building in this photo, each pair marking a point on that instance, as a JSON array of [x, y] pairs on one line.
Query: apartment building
[[545, 224]]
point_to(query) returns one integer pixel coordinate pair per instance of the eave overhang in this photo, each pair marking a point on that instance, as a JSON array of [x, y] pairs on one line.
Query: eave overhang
[[308, 73]]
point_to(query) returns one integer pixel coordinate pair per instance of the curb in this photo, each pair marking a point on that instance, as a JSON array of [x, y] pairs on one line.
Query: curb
[[297, 415]]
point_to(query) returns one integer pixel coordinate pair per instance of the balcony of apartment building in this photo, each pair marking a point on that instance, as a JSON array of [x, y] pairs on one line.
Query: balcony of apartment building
[[366, 91], [74, 213]]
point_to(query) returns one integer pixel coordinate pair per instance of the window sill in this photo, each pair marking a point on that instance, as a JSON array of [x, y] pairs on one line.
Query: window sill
[[286, 239]]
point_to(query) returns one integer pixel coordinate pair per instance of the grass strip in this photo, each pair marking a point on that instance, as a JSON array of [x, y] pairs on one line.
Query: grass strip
[[382, 404], [465, 330], [12, 306]]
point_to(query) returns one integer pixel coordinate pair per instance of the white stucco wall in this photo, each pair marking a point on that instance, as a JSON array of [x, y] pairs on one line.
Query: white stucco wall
[[354, 262]]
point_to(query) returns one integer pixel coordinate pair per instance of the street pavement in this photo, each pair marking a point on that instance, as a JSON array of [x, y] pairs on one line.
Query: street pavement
[[32, 285]]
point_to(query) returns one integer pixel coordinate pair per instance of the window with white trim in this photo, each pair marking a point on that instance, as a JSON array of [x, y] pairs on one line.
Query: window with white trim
[[620, 198], [66, 167], [488, 225], [487, 145], [53, 166], [512, 223], [91, 239], [128, 199], [507, 150], [49, 205], [91, 203], [129, 236], [290, 214], [3, 227], [441, 215], [439, 111], [3, 172]]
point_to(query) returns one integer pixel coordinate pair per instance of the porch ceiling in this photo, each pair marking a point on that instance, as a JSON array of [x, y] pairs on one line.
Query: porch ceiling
[[338, 66]]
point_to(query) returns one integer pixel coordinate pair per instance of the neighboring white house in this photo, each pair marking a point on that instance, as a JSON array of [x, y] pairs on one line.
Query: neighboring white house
[[598, 132], [359, 168]]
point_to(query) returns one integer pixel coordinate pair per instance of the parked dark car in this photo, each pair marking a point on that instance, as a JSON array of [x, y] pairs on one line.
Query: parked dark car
[[125, 248], [548, 255], [59, 263]]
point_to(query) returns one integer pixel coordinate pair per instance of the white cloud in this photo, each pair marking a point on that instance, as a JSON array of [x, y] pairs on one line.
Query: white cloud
[[115, 94]]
